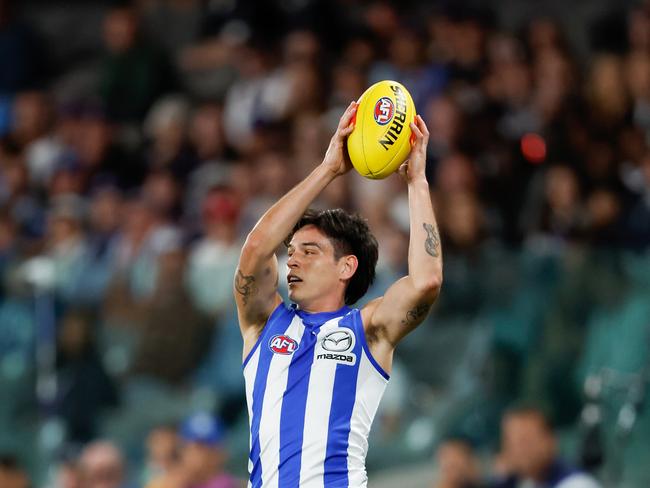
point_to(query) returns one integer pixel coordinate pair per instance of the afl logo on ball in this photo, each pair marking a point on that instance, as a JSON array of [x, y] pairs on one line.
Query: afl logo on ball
[[282, 344], [384, 110]]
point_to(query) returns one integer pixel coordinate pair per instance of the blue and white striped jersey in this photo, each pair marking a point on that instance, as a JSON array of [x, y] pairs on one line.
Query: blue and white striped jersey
[[312, 389]]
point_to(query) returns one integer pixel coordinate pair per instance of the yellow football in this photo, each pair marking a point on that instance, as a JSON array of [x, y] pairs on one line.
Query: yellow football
[[380, 141]]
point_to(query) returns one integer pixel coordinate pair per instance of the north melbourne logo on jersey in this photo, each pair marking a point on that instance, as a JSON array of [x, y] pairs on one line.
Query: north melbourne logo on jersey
[[334, 346], [282, 344], [384, 110]]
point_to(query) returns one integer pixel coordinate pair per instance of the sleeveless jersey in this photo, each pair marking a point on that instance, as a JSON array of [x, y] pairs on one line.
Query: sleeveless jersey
[[312, 389]]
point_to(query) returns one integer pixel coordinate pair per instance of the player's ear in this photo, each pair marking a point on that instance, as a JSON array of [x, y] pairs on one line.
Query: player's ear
[[348, 266]]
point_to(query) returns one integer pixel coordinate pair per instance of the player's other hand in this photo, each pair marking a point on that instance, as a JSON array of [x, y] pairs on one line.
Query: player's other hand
[[336, 158], [414, 167]]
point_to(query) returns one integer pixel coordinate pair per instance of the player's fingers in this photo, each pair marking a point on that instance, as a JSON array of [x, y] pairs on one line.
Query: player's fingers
[[418, 133], [422, 125], [347, 116], [346, 131]]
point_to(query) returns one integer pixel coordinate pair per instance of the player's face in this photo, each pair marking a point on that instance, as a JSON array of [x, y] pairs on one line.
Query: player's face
[[312, 269]]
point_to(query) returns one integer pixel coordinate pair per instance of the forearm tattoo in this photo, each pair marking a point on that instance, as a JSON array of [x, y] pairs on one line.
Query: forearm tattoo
[[432, 243], [416, 314], [245, 286]]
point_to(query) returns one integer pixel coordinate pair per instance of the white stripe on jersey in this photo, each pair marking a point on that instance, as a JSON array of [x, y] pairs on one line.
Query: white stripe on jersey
[[249, 379], [317, 412], [272, 408], [370, 388]]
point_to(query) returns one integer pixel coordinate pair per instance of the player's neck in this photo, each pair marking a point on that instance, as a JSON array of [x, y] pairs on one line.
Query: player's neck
[[323, 304]]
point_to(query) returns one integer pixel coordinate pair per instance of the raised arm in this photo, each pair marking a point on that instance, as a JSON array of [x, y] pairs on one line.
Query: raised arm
[[407, 302], [256, 278]]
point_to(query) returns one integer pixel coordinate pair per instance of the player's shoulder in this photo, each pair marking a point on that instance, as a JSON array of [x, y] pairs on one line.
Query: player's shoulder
[[368, 310], [371, 306]]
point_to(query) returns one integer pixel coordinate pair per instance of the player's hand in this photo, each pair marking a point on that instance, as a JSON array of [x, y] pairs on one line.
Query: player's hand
[[415, 166], [336, 158]]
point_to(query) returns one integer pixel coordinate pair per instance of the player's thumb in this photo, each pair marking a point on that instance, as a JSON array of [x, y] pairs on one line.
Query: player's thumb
[[403, 170]]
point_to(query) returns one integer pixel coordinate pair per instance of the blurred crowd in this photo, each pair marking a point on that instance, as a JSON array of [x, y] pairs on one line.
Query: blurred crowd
[[140, 141], [192, 455]]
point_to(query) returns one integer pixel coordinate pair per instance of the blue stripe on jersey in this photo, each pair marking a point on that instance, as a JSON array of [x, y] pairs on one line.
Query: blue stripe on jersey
[[259, 389], [361, 336], [292, 417], [343, 398], [258, 399]]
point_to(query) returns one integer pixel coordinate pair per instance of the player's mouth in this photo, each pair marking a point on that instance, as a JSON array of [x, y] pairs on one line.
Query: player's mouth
[[293, 279]]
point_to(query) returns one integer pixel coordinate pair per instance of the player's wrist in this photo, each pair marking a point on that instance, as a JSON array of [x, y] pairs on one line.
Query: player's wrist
[[418, 180], [328, 170]]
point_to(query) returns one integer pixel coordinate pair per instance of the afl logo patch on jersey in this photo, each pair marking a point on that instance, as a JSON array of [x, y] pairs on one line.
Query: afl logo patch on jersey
[[384, 110], [282, 344]]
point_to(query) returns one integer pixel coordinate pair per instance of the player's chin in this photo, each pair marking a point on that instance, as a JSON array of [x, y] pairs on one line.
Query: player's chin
[[292, 292]]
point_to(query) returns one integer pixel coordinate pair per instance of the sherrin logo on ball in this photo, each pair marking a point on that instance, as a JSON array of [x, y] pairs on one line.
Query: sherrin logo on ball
[[384, 110], [380, 141], [283, 344]]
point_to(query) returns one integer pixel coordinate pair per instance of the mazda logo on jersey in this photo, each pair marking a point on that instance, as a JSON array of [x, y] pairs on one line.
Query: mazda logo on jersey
[[338, 341], [283, 344], [337, 346]]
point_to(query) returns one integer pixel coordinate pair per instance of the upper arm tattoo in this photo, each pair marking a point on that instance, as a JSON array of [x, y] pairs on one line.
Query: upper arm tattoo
[[416, 314], [245, 286], [432, 243]]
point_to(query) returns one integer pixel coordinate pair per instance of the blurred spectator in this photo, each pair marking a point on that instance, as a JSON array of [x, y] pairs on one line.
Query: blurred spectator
[[105, 216], [605, 92], [15, 195], [66, 473], [86, 389], [12, 474], [638, 218], [530, 454], [559, 214], [33, 130], [251, 99], [161, 190], [206, 132], [462, 222], [163, 447], [65, 244], [98, 155], [457, 465], [174, 335], [9, 252], [102, 466], [214, 258], [137, 246], [167, 147], [444, 120], [31, 117], [134, 74], [22, 60], [202, 457]]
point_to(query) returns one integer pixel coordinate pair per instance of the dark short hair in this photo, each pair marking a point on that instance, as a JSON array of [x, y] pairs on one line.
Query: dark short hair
[[9, 462], [530, 411], [349, 234]]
